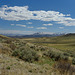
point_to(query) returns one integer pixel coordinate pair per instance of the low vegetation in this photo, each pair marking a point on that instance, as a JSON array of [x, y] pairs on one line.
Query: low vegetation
[[26, 54], [64, 67], [54, 56]]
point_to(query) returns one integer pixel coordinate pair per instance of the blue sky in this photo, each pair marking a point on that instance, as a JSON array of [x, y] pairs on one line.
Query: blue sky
[[30, 16]]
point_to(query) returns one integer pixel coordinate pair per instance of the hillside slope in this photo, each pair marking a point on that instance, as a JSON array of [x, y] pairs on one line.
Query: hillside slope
[[24, 57]]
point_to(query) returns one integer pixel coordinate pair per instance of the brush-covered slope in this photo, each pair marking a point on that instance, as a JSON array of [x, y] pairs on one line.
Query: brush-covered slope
[[29, 57]]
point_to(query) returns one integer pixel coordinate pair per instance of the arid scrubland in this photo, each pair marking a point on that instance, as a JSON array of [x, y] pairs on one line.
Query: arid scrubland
[[37, 56]]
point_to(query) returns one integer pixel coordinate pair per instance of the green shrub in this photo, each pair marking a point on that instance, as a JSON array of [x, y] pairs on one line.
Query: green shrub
[[8, 67], [73, 61], [30, 71], [15, 53], [26, 54], [64, 57], [8, 41], [66, 54], [12, 46], [54, 55], [29, 55]]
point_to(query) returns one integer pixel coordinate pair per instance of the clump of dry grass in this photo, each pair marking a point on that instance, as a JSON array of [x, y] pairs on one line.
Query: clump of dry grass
[[65, 68]]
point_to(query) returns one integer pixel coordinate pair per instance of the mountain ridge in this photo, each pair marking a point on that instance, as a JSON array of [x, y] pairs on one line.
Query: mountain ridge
[[38, 34]]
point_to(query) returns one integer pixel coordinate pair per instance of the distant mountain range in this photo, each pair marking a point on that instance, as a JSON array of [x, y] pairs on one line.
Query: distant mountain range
[[38, 34]]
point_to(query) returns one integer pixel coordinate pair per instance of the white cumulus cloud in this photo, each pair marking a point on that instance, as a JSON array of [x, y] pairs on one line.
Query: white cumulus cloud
[[41, 28], [29, 23], [17, 13], [48, 24], [20, 25]]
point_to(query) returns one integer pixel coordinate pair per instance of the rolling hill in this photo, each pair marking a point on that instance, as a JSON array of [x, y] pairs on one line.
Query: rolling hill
[[37, 56]]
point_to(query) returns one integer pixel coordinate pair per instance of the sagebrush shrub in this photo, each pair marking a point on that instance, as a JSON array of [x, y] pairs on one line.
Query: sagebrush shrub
[[26, 54], [73, 61]]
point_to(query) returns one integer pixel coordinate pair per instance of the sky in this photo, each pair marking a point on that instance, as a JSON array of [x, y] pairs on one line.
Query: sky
[[31, 16]]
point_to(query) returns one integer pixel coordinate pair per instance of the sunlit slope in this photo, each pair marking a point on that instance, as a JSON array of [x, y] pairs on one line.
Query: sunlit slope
[[64, 43]]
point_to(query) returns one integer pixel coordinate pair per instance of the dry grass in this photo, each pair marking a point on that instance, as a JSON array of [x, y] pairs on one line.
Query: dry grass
[[14, 66], [65, 68]]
